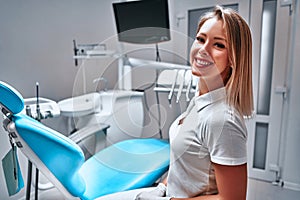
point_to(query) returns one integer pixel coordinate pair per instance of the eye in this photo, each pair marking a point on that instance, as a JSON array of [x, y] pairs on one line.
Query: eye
[[220, 45], [200, 39]]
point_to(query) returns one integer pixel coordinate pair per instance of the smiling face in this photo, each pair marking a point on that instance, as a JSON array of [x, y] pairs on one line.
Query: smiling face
[[209, 54]]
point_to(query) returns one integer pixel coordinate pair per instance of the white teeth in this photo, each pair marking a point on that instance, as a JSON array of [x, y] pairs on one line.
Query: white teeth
[[202, 62]]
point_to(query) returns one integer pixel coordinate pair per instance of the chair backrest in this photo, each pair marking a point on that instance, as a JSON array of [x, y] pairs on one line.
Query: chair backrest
[[10, 99], [55, 155]]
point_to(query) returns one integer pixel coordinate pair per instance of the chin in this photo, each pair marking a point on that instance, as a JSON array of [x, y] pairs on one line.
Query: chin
[[196, 72]]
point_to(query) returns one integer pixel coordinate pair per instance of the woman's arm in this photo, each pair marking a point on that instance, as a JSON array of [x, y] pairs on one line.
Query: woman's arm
[[165, 180], [231, 182]]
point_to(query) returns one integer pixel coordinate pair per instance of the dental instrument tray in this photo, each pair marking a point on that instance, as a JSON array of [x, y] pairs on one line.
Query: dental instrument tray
[[48, 108]]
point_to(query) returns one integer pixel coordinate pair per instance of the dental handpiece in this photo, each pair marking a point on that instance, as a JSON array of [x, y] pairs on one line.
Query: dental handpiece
[[38, 111], [180, 87], [172, 88], [188, 89]]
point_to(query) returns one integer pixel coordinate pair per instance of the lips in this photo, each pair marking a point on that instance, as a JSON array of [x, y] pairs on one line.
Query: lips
[[201, 63]]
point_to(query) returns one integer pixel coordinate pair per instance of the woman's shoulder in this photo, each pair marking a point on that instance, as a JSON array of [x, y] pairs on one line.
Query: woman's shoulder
[[226, 122], [221, 113]]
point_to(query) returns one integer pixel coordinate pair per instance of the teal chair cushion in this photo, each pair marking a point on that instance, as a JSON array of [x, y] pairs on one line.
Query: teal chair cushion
[[11, 98], [126, 165], [60, 154]]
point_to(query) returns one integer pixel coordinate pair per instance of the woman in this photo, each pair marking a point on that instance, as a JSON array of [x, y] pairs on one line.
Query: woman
[[208, 141]]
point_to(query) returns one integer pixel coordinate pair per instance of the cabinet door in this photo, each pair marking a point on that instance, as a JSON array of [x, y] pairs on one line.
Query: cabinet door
[[270, 25]]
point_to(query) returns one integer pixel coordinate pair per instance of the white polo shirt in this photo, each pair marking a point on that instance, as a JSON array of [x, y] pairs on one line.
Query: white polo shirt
[[211, 131]]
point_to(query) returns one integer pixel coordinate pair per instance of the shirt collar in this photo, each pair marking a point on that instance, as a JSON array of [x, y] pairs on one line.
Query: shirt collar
[[209, 98]]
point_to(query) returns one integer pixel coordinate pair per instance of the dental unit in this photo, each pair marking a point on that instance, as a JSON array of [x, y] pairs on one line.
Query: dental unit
[[125, 165], [182, 80]]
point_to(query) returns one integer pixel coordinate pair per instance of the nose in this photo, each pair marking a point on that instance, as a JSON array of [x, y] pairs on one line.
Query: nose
[[203, 50]]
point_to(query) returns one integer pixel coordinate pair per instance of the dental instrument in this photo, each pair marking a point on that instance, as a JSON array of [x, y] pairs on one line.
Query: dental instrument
[[38, 110], [166, 79], [129, 164], [180, 85], [172, 88], [188, 88]]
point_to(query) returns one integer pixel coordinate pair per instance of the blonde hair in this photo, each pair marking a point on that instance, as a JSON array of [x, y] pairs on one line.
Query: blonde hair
[[239, 85]]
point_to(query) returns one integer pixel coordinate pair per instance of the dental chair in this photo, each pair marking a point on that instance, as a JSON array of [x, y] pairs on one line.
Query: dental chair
[[125, 165]]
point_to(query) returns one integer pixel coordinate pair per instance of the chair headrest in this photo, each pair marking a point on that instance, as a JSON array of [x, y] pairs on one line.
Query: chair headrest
[[10, 98]]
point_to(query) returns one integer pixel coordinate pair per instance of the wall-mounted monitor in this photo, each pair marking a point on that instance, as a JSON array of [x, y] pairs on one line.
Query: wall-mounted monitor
[[142, 22]]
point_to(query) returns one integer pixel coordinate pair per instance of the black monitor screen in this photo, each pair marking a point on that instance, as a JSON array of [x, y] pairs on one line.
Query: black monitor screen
[[142, 22]]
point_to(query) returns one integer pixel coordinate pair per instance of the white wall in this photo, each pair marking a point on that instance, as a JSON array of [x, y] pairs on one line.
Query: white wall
[[36, 42], [36, 45]]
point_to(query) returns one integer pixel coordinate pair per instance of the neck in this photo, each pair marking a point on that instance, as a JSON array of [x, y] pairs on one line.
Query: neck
[[207, 85]]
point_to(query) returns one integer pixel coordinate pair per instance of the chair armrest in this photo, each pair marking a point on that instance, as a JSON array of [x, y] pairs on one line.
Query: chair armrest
[[88, 131]]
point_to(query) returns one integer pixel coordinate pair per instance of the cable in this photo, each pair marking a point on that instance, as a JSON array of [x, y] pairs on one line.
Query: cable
[[157, 53], [156, 93]]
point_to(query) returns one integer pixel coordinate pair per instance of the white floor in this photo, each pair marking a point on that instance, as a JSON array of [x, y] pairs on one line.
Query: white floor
[[257, 190]]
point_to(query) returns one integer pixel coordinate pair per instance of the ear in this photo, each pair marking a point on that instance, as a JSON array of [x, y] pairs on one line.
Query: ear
[[229, 62]]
